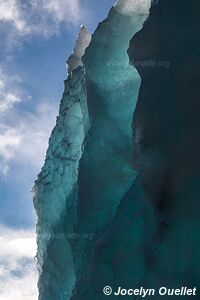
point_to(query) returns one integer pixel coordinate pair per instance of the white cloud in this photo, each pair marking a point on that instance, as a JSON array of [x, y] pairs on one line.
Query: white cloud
[[10, 138], [8, 98], [8, 101], [34, 130], [10, 12], [39, 17], [9, 142], [62, 10], [23, 135], [18, 274], [27, 143], [129, 7]]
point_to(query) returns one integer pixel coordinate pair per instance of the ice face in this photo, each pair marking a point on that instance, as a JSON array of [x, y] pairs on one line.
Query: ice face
[[56, 192], [131, 7], [88, 165], [82, 43], [105, 170], [118, 201]]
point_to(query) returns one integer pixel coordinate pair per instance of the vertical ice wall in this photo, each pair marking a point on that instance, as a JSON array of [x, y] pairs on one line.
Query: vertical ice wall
[[106, 172], [88, 167], [55, 191], [100, 223]]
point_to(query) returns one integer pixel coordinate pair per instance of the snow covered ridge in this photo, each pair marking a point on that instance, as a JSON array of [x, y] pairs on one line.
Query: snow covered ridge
[[129, 7]]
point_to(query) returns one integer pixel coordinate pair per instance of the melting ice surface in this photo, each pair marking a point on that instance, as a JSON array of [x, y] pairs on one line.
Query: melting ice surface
[[88, 169]]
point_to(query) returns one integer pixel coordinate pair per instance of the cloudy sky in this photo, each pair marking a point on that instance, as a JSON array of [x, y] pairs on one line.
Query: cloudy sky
[[36, 38]]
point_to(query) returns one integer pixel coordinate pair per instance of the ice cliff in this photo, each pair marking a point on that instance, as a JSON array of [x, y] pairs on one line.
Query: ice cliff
[[88, 164], [55, 191], [112, 199]]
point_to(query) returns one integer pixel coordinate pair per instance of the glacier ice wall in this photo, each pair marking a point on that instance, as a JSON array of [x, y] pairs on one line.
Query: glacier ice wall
[[153, 239], [55, 192], [112, 211], [87, 179], [105, 172]]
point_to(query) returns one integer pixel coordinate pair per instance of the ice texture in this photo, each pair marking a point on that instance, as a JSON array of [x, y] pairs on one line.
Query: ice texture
[[118, 197], [105, 172], [55, 192], [153, 239], [88, 166]]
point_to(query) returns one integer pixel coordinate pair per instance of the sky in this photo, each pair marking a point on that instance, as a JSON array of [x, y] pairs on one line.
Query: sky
[[36, 37]]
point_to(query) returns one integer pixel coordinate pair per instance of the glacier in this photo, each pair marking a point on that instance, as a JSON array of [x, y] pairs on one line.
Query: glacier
[[55, 191], [112, 90], [117, 198], [92, 137]]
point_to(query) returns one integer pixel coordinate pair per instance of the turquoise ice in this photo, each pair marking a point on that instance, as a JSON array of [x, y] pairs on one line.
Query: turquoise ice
[[88, 167]]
